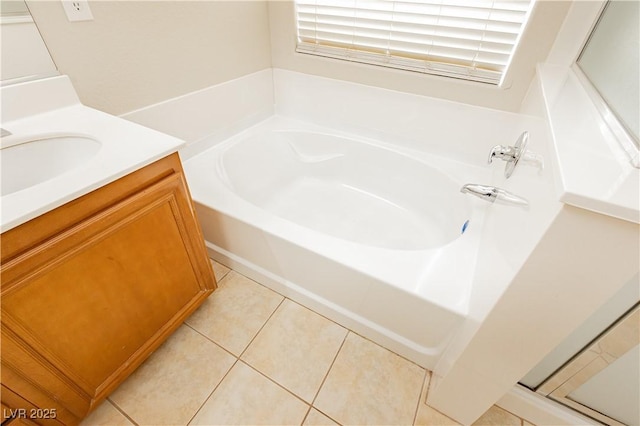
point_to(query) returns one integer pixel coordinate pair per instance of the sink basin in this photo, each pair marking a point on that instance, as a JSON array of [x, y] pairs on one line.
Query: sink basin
[[37, 159]]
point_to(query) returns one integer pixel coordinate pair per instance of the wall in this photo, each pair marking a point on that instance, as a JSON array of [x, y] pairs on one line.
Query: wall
[[133, 55], [535, 44], [137, 53]]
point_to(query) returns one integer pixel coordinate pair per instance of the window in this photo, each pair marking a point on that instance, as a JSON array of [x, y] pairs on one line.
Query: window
[[467, 39]]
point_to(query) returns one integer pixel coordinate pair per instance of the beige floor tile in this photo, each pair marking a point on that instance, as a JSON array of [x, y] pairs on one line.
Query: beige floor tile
[[428, 416], [526, 423], [235, 312], [316, 418], [498, 417], [175, 381], [219, 270], [105, 415], [246, 397], [368, 384], [296, 348]]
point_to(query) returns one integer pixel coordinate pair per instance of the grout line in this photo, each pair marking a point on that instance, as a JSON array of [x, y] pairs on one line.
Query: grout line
[[259, 330], [341, 346], [275, 383], [307, 415], [214, 270], [387, 349], [426, 388], [223, 278], [426, 392], [326, 415], [324, 379], [121, 410], [317, 313], [427, 372], [335, 322], [263, 325], [338, 324], [212, 391], [226, 266], [209, 339], [310, 405]]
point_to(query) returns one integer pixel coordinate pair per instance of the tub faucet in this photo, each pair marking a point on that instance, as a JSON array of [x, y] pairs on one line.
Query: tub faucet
[[4, 133], [506, 153], [510, 154], [493, 194]]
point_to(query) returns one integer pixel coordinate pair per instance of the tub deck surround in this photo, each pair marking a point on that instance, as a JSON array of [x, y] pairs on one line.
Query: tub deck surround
[[211, 115], [449, 129], [592, 170], [347, 224], [51, 106]]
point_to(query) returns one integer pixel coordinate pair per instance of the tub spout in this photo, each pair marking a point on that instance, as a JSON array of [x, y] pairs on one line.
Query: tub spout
[[489, 193], [493, 194]]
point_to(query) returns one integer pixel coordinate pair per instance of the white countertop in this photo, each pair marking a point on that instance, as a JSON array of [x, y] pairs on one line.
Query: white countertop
[[592, 169], [51, 106]]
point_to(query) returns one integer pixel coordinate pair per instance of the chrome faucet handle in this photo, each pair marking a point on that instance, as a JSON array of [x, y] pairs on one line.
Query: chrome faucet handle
[[510, 154], [506, 153]]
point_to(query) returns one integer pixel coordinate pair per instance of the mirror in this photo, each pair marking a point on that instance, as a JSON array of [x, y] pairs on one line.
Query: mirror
[[24, 54], [610, 60]]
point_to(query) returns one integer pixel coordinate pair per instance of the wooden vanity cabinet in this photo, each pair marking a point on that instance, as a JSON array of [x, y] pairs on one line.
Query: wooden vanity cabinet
[[92, 288]]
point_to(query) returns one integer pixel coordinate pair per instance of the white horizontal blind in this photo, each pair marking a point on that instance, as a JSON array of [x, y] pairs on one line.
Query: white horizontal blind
[[469, 39]]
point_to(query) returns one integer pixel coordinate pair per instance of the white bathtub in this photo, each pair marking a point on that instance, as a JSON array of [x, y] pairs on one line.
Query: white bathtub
[[370, 236]]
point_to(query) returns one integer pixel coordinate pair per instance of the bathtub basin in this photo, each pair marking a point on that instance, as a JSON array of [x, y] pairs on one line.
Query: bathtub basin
[[379, 240]]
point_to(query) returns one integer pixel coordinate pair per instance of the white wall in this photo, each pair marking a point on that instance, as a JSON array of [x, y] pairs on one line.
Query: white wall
[[137, 53], [536, 41]]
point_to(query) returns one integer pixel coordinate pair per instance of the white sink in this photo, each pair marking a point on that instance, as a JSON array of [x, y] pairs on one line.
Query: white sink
[[37, 159], [60, 150]]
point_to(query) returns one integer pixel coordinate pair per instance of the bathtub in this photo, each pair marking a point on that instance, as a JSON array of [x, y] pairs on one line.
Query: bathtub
[[377, 238]]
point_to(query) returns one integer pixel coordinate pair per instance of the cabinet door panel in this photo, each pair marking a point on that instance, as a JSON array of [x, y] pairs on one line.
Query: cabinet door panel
[[95, 299]]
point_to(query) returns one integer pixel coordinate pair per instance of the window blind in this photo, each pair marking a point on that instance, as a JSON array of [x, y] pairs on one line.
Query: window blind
[[468, 39]]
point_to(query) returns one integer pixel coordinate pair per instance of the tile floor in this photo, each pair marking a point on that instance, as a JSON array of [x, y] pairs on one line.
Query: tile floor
[[250, 356]]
